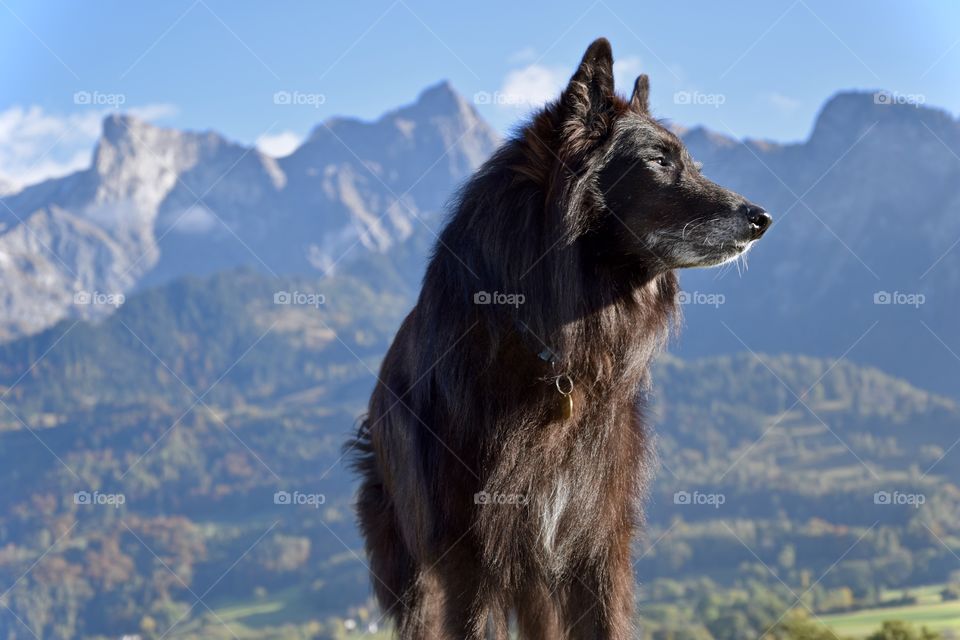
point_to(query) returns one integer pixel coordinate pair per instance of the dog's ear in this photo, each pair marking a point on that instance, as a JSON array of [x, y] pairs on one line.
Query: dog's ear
[[589, 98], [640, 100]]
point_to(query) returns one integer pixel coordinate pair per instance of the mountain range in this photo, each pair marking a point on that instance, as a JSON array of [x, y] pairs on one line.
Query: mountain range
[[156, 346], [860, 260], [158, 203]]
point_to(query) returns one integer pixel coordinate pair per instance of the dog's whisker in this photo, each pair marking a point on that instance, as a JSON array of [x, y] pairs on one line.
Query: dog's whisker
[[692, 222]]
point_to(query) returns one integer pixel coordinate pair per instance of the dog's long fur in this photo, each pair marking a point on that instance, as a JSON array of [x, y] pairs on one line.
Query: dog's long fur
[[466, 406]]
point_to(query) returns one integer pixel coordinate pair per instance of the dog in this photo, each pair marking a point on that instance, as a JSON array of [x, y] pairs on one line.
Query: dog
[[505, 452]]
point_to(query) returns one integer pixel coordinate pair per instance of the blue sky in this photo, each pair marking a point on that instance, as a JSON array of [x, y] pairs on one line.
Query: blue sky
[[754, 68]]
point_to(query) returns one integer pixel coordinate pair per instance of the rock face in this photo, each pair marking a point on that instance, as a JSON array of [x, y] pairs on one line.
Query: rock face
[[159, 203]]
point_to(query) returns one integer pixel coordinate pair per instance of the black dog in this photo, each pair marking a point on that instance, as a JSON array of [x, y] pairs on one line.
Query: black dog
[[505, 451]]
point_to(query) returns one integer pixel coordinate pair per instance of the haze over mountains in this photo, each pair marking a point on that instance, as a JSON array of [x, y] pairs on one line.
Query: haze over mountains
[[866, 206]]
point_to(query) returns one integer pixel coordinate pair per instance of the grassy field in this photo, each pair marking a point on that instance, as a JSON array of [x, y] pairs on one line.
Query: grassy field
[[929, 594], [288, 614], [929, 611]]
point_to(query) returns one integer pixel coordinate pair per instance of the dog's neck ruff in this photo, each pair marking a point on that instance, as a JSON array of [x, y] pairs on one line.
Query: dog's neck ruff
[[546, 353], [562, 381]]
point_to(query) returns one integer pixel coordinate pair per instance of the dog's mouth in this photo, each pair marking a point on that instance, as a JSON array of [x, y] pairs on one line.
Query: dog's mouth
[[720, 245], [717, 241], [737, 250], [714, 256]]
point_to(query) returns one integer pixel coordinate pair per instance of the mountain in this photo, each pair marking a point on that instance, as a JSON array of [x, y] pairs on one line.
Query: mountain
[[159, 203], [867, 207], [147, 441], [862, 254], [148, 351]]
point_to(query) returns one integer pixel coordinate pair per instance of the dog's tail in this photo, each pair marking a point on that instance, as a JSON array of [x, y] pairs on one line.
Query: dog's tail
[[393, 569]]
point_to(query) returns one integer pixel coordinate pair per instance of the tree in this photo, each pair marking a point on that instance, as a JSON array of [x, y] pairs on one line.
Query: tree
[[950, 592], [897, 630], [787, 557], [799, 626]]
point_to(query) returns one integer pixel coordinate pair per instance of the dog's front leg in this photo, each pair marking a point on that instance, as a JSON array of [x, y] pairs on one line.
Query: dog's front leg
[[467, 598], [598, 602]]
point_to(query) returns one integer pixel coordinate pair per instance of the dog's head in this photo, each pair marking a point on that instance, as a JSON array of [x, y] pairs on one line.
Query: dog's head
[[653, 203]]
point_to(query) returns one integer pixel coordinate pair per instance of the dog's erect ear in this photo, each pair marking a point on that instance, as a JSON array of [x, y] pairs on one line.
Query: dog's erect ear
[[640, 100], [589, 97]]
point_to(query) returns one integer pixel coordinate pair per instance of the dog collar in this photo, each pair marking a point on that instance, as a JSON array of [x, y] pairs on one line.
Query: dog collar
[[563, 382]]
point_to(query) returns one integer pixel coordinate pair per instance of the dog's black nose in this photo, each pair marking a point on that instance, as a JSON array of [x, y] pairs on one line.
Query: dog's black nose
[[758, 218]]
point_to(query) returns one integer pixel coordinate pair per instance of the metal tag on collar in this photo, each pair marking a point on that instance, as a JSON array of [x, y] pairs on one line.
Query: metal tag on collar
[[564, 384]]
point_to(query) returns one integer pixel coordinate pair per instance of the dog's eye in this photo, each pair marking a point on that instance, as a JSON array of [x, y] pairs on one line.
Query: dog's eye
[[662, 161]]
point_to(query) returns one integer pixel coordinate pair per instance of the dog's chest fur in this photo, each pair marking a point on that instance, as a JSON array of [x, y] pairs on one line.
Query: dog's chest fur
[[579, 483]]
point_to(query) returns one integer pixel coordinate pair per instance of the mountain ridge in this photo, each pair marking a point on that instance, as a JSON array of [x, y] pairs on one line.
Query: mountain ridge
[[368, 196], [178, 202]]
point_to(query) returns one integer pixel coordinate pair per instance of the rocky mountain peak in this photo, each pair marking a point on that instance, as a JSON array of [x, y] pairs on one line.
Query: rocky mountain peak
[[849, 114], [440, 98], [159, 203]]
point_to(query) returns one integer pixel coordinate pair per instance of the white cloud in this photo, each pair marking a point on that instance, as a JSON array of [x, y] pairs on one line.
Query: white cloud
[[531, 86], [625, 72], [36, 145], [279, 144], [195, 220], [536, 84], [44, 168]]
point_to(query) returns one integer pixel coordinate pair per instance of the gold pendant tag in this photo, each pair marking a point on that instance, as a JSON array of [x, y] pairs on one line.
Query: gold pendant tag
[[567, 404], [565, 386]]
